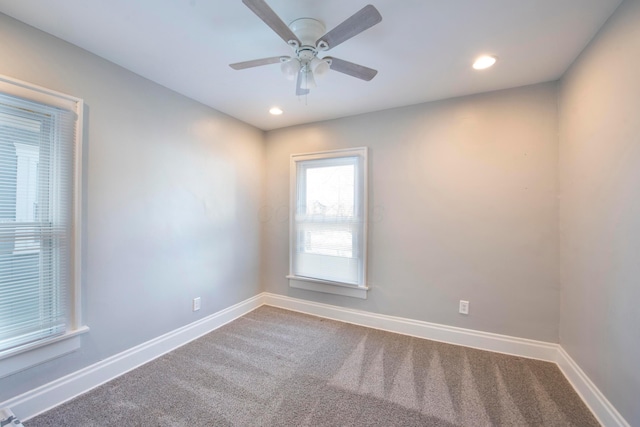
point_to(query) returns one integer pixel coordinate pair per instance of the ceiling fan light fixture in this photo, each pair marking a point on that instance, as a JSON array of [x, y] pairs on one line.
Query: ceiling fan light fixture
[[290, 68], [320, 67], [484, 62]]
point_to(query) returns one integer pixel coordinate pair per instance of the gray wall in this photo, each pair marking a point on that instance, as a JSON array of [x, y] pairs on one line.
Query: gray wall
[[600, 210], [173, 190], [462, 206]]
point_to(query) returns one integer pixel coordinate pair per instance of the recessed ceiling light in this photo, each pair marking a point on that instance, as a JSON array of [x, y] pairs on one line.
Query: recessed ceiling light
[[276, 111], [484, 62]]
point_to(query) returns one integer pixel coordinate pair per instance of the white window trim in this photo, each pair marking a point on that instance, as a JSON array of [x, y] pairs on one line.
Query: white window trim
[[319, 285], [328, 287], [26, 356], [29, 355]]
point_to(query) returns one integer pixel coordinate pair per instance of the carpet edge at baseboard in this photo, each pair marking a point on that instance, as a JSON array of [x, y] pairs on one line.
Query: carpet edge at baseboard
[[54, 393], [68, 387]]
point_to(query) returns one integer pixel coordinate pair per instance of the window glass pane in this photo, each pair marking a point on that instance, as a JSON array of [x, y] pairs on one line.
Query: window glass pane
[[330, 191], [328, 239]]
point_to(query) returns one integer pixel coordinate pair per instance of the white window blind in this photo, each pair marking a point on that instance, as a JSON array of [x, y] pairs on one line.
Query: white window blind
[[328, 221], [37, 144]]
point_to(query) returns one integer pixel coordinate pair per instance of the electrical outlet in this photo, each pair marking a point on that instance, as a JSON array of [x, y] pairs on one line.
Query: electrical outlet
[[196, 304], [464, 307]]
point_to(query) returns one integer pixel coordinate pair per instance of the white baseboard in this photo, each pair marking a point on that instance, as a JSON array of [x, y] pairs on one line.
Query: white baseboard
[[59, 391], [603, 410], [43, 398], [450, 334]]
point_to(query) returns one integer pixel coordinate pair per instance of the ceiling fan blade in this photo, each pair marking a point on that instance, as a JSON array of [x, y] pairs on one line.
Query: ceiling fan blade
[[365, 18], [264, 12], [299, 90], [354, 70], [257, 62]]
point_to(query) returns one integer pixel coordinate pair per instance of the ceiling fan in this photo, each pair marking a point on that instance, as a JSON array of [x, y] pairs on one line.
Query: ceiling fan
[[307, 38]]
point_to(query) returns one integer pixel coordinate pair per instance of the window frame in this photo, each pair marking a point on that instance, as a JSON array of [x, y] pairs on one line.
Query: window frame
[[317, 284], [27, 355]]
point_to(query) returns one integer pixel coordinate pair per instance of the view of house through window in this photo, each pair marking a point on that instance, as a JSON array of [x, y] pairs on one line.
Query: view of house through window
[[330, 196]]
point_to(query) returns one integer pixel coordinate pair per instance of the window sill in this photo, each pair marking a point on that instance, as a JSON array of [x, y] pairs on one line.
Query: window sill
[[327, 287], [21, 358]]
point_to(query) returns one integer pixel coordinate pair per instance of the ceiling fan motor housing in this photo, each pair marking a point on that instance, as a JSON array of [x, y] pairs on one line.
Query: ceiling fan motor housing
[[308, 30]]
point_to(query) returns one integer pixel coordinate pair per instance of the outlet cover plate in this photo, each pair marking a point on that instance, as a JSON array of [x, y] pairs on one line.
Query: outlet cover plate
[[464, 307]]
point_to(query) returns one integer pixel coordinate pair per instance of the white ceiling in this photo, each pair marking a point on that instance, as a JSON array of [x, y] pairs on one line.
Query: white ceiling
[[423, 49]]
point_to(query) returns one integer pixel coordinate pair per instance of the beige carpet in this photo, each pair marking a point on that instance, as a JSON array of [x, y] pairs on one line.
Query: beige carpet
[[279, 368]]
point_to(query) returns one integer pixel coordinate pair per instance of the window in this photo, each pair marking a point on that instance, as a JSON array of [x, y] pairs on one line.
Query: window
[[329, 222], [39, 245]]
